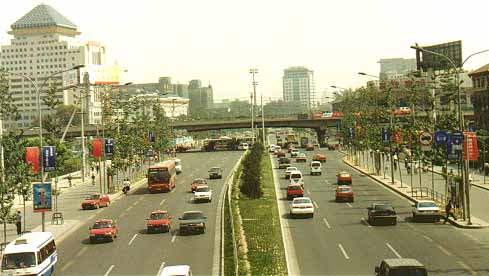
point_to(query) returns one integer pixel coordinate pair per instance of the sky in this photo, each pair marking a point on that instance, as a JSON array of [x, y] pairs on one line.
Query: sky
[[218, 41]]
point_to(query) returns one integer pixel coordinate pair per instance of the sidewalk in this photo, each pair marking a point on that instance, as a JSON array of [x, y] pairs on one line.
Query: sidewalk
[[478, 179], [69, 201], [402, 186]]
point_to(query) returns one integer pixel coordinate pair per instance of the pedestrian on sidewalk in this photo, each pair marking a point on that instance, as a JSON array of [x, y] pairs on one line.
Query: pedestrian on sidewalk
[[406, 163], [449, 212], [18, 223], [394, 161], [93, 179], [97, 167], [69, 179]]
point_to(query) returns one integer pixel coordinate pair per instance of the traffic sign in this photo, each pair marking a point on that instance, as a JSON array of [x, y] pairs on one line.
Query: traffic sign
[[425, 138], [351, 132], [441, 137], [385, 135], [457, 139]]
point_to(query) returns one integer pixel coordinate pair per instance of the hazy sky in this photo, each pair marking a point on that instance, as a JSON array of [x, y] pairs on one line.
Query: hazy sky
[[218, 41]]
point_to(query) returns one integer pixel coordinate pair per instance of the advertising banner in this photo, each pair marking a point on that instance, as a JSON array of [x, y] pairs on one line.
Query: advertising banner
[[471, 150], [49, 158], [97, 148], [32, 158], [42, 196], [109, 146]]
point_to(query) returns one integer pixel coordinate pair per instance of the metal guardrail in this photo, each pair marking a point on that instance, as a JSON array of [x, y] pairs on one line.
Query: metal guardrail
[[425, 192]]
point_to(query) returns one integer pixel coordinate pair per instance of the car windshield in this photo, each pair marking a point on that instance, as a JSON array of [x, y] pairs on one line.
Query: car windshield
[[344, 175], [18, 260], [407, 271], [200, 181], [295, 176], [295, 188], [102, 225], [158, 176], [94, 197], [383, 207], [315, 165], [157, 216], [202, 189], [215, 169], [193, 215], [302, 201], [344, 190], [427, 204], [289, 169]]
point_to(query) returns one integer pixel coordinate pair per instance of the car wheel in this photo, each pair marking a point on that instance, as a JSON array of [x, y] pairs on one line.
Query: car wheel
[[337, 200], [394, 222], [92, 240], [352, 200], [312, 215]]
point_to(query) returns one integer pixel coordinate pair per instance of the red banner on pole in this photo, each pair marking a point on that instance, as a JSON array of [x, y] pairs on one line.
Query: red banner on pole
[[397, 137], [97, 148], [32, 158], [470, 146]]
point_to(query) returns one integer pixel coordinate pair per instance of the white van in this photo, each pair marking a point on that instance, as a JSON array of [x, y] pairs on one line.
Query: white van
[[181, 270], [30, 254], [316, 168], [296, 178]]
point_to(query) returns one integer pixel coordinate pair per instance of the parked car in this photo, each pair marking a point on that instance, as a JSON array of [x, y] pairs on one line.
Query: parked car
[[344, 193], [343, 178], [319, 157], [197, 182], [103, 230], [215, 172], [381, 213], [302, 206], [316, 168], [294, 190], [426, 209], [203, 193], [159, 221], [301, 157], [192, 221], [283, 162], [95, 201], [288, 170], [400, 266]]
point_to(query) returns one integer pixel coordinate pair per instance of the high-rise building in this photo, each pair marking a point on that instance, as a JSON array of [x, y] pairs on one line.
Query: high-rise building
[[182, 90], [201, 98], [298, 87], [45, 43], [396, 68]]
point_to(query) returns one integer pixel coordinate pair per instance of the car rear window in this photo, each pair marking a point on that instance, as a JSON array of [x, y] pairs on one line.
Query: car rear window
[[427, 204], [202, 189], [302, 201], [344, 175], [295, 175], [383, 207], [344, 190], [407, 271], [295, 188]]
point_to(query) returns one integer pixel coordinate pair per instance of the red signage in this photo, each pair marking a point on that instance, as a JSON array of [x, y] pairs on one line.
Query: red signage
[[97, 148], [470, 146], [32, 158], [397, 137]]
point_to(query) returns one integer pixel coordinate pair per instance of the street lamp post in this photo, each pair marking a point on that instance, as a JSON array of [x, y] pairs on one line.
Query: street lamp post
[[465, 176], [253, 71]]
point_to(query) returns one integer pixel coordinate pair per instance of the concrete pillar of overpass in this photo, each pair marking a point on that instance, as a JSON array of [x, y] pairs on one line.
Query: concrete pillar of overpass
[[321, 133]]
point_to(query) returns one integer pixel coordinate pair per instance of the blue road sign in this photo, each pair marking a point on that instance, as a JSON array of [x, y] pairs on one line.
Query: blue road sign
[[441, 137], [451, 153], [351, 132], [49, 158], [109, 146], [457, 137]]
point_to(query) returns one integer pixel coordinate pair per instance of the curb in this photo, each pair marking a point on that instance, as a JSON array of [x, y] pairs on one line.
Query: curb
[[451, 220]]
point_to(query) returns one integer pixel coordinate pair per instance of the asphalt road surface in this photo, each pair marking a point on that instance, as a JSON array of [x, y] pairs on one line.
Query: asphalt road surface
[[134, 252], [339, 241]]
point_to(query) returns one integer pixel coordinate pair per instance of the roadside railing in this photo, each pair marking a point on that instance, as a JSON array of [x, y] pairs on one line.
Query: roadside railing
[[425, 192]]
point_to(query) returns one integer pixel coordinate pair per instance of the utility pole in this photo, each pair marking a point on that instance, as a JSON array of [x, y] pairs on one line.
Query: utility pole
[[252, 121], [262, 121], [254, 71], [86, 81]]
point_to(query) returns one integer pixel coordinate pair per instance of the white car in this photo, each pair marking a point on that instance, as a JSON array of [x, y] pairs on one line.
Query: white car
[[272, 148], [203, 193], [296, 178], [183, 270], [294, 152], [288, 171], [426, 209], [316, 168], [243, 146], [178, 165], [302, 206]]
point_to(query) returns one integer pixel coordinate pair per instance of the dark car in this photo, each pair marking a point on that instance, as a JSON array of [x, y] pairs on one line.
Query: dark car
[[215, 172], [382, 213], [400, 266], [191, 222], [283, 163]]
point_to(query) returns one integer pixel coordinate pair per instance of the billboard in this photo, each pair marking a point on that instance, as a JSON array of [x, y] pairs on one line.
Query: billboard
[[32, 158], [453, 50], [42, 195], [97, 148], [470, 146], [49, 158]]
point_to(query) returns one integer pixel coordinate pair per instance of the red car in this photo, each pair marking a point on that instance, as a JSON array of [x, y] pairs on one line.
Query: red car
[[95, 201], [158, 221], [102, 230], [280, 153], [319, 157], [294, 190], [343, 178], [197, 182], [345, 193]]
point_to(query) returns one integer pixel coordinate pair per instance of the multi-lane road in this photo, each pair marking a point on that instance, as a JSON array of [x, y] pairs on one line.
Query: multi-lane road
[[135, 252], [339, 241]]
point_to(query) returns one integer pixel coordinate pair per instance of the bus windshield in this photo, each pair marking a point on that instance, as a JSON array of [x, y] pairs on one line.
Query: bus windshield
[[18, 260], [158, 176]]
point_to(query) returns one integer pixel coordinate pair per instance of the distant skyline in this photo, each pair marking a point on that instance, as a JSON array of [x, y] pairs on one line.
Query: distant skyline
[[218, 41]]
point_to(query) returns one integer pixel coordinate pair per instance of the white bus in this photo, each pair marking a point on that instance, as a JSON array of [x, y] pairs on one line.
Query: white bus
[[31, 254]]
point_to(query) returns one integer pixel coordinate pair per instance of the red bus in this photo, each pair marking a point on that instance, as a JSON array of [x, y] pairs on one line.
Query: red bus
[[162, 176]]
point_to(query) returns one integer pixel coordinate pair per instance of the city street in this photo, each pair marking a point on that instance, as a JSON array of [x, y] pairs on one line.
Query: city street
[[339, 241], [135, 252]]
